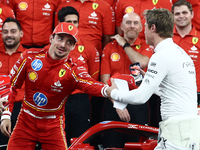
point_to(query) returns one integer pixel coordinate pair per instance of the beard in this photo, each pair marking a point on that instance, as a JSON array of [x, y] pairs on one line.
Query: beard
[[10, 45]]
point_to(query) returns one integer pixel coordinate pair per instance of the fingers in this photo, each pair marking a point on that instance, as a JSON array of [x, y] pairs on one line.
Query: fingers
[[124, 115], [6, 127], [2, 108]]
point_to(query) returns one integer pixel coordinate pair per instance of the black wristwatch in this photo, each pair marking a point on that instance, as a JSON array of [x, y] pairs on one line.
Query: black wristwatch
[[126, 45]]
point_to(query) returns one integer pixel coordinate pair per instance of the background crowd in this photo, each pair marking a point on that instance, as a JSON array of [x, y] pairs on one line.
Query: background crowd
[[105, 26]]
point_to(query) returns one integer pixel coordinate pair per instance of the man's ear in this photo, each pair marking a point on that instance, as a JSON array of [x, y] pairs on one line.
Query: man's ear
[[50, 38], [153, 27], [21, 34]]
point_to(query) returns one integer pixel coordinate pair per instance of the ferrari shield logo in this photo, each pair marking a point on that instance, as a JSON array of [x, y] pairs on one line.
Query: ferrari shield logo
[[95, 5], [0, 10], [155, 2], [80, 48], [138, 46], [194, 40], [70, 27], [62, 72]]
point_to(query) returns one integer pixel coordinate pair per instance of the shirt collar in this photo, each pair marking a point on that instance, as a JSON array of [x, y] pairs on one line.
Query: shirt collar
[[163, 43]]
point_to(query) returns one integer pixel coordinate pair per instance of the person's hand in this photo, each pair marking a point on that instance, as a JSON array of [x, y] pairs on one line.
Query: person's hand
[[120, 40], [123, 114], [109, 89], [2, 108], [6, 127]]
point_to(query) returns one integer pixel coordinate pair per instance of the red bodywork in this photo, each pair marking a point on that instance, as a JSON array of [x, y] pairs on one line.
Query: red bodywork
[[148, 136]]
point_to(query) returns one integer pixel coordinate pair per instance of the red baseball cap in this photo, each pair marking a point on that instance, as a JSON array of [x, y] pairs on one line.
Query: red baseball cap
[[66, 28]]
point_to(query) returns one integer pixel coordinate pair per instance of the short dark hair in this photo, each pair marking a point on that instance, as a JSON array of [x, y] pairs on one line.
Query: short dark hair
[[180, 3], [10, 19], [69, 10], [162, 19]]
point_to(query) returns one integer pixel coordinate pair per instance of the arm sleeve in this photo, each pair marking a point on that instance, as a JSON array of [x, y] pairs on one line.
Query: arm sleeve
[[152, 80], [105, 61]]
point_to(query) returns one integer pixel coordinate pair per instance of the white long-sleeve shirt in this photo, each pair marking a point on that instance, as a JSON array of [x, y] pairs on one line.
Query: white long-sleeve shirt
[[172, 71]]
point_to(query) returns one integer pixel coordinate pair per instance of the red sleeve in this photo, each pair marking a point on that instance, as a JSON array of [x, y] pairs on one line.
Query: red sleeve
[[60, 6], [146, 50], [105, 60], [108, 20], [118, 13], [87, 84]]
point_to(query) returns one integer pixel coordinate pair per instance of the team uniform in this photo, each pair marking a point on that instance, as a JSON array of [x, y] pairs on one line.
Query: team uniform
[[191, 44], [115, 60], [5, 12], [96, 18], [175, 77], [36, 18], [77, 108], [138, 6], [48, 84]]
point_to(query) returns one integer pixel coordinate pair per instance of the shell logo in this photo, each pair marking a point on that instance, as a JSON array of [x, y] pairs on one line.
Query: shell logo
[[32, 76], [115, 57], [0, 64], [129, 9], [23, 6]]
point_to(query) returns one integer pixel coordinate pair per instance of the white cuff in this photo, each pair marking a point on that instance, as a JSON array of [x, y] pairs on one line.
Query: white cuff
[[120, 105], [6, 115]]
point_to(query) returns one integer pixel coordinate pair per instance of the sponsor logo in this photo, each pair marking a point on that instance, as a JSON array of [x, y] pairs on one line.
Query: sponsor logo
[[81, 68], [40, 99], [153, 64], [81, 58], [194, 49], [0, 64], [138, 46], [1, 82], [129, 9], [155, 2], [115, 57], [191, 72], [62, 72], [33, 76], [47, 7], [58, 84], [195, 40], [104, 122], [132, 126], [70, 27], [23, 6], [80, 48], [147, 81], [151, 76], [95, 6], [152, 71], [0, 11], [194, 56], [188, 64], [93, 16], [37, 64]]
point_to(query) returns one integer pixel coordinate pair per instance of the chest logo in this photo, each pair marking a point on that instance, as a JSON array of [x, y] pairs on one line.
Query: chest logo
[[138, 46], [0, 64], [62, 72], [80, 48], [95, 6], [0, 10], [33, 76], [155, 2], [129, 9], [23, 6], [195, 40], [40, 99], [115, 57], [37, 64]]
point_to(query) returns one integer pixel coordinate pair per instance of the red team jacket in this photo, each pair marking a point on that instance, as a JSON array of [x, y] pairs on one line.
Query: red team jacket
[[48, 83]]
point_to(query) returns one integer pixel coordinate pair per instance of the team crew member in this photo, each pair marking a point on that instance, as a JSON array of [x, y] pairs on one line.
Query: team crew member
[[138, 6], [117, 58], [10, 51], [186, 35], [77, 108], [50, 76], [97, 21], [36, 18], [175, 76], [5, 12]]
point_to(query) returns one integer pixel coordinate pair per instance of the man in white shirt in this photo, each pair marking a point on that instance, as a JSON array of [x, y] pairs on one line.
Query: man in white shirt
[[171, 74]]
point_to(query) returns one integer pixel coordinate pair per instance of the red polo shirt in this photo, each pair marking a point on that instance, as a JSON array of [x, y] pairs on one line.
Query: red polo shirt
[[191, 44], [138, 6], [96, 19], [115, 59], [36, 18], [6, 64]]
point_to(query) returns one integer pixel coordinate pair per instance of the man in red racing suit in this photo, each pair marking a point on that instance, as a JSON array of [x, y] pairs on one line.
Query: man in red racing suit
[[50, 76]]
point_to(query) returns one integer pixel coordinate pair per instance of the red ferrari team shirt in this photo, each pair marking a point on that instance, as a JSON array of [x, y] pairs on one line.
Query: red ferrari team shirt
[[6, 64], [138, 6], [115, 59], [191, 44], [89, 55], [96, 18], [36, 18], [5, 12]]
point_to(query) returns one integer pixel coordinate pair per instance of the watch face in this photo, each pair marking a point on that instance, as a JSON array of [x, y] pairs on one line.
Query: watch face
[[126, 45]]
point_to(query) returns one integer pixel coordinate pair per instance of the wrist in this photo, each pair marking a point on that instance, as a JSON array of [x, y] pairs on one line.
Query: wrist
[[126, 45]]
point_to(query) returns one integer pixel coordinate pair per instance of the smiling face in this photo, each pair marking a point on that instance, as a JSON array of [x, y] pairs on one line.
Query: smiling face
[[11, 34], [182, 16], [61, 45], [131, 25]]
